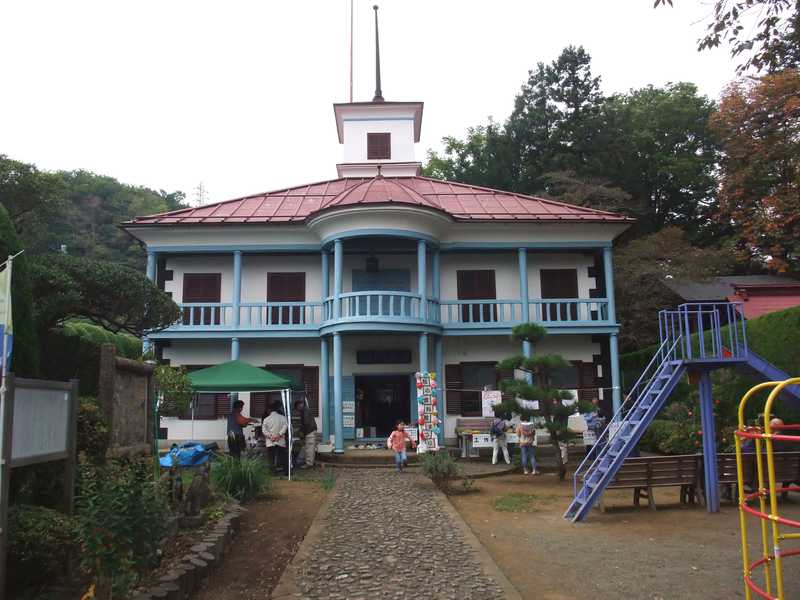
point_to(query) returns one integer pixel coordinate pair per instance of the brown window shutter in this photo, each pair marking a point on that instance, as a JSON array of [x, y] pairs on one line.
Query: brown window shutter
[[379, 146], [503, 375], [222, 404], [258, 404], [454, 382], [311, 383]]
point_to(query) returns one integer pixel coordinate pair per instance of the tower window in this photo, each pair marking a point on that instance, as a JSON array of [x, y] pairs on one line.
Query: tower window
[[379, 146]]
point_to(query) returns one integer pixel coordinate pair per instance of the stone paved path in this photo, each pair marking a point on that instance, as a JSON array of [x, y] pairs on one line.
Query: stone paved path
[[386, 535]]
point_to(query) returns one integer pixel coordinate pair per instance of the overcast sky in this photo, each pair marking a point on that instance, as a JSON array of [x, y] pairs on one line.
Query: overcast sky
[[238, 94]]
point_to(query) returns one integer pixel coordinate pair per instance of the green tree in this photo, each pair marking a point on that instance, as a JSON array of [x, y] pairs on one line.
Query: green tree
[[543, 390], [644, 267], [771, 44], [25, 357], [115, 297], [78, 210], [664, 155]]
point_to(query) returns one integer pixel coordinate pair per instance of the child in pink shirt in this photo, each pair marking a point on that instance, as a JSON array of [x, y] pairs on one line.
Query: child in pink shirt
[[397, 442]]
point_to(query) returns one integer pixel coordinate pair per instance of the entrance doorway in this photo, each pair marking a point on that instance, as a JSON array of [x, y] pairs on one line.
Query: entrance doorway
[[381, 400]]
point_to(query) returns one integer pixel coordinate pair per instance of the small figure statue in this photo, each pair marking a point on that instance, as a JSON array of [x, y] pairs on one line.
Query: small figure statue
[[199, 493]]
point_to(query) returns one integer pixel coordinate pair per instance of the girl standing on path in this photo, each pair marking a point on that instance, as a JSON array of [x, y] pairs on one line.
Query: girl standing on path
[[397, 442], [527, 436]]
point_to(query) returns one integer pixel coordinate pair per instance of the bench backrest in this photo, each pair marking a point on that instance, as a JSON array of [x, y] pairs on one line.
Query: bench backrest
[[657, 471], [787, 467], [476, 423]]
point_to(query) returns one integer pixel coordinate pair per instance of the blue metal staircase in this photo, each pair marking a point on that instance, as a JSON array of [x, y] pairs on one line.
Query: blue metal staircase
[[691, 338], [625, 430]]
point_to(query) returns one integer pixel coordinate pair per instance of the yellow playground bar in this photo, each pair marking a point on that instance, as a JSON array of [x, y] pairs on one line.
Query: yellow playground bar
[[761, 462]]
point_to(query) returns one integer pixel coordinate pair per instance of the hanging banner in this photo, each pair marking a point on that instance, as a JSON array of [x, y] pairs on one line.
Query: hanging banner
[[488, 399], [428, 423]]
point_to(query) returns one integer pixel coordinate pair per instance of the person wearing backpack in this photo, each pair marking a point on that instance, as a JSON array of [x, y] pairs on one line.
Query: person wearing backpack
[[499, 440]]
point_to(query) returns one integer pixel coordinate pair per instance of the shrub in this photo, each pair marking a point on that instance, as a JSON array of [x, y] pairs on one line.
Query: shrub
[[440, 468], [121, 520], [92, 439], [243, 478], [39, 538]]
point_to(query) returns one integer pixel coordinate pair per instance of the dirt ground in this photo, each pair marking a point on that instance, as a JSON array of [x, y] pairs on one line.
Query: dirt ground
[[676, 552], [269, 535]]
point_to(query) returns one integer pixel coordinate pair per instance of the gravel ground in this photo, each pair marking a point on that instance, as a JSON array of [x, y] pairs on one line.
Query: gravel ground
[[386, 536]]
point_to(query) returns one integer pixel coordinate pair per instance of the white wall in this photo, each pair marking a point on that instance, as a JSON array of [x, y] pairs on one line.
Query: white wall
[[256, 267], [355, 139]]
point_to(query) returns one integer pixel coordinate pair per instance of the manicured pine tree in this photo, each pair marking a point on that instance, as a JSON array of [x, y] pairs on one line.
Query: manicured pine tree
[[542, 367]]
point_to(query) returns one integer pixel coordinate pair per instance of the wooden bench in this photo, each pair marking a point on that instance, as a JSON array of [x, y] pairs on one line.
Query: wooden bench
[[644, 473], [787, 469]]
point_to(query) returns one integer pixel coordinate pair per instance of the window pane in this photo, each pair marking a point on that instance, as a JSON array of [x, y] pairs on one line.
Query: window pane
[[379, 146]]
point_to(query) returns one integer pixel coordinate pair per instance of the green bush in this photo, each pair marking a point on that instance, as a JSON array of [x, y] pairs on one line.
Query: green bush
[[121, 521], [92, 429], [243, 478], [127, 345], [440, 468], [38, 540]]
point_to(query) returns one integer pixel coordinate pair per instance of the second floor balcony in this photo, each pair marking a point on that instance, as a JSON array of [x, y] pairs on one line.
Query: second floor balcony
[[392, 307]]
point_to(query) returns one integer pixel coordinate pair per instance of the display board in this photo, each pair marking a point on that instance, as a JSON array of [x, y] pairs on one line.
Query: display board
[[428, 423]]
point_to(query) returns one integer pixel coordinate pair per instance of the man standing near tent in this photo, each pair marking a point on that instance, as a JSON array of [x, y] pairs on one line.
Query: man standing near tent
[[236, 422], [308, 429]]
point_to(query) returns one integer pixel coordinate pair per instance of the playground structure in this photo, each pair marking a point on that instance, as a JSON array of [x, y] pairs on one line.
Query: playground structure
[[696, 338], [764, 440]]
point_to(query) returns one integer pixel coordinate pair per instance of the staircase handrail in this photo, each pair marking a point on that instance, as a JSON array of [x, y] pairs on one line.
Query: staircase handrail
[[662, 355]]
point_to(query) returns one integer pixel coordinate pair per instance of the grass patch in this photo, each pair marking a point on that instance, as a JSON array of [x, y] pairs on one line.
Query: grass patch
[[328, 479], [518, 502]]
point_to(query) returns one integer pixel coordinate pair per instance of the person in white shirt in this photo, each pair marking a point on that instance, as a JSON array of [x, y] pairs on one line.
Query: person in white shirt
[[274, 428]]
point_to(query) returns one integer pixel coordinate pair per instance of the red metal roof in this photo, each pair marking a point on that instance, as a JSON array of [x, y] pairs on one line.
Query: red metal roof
[[460, 201]]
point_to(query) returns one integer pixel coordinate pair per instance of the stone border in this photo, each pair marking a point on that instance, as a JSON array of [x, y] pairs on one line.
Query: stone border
[[487, 563], [187, 573], [287, 585]]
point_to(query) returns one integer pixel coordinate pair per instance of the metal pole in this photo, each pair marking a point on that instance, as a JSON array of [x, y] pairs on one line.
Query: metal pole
[[6, 421], [709, 443]]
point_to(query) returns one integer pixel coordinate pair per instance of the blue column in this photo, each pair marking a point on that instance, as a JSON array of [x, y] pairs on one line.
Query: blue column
[[523, 284], [151, 275], [527, 352], [237, 292], [338, 420], [324, 394], [438, 357], [325, 276], [422, 279], [423, 352], [709, 443], [436, 275], [608, 275], [235, 348], [151, 265], [337, 279], [616, 392]]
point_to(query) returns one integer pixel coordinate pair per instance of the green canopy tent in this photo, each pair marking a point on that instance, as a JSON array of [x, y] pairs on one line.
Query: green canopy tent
[[237, 376]]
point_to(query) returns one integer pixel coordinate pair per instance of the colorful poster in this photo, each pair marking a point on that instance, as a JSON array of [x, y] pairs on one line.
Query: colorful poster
[[428, 423]]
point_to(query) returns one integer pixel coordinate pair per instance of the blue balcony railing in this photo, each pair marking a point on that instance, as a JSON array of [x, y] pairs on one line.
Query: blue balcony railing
[[402, 307]]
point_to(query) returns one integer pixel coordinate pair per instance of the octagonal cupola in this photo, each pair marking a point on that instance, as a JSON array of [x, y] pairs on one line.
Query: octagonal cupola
[[378, 133]]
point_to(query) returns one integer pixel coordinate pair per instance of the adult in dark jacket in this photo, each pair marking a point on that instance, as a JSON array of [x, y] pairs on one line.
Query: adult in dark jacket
[[308, 430]]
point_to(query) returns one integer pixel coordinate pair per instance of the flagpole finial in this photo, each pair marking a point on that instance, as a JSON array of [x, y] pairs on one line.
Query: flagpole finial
[[378, 93]]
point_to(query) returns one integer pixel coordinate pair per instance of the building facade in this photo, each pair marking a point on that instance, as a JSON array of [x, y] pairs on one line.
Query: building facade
[[350, 286]]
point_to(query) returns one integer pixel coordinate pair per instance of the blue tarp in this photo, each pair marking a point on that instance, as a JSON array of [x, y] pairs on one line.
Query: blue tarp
[[189, 454]]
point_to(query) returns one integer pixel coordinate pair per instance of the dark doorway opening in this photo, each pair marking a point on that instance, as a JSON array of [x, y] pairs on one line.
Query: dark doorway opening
[[381, 400]]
